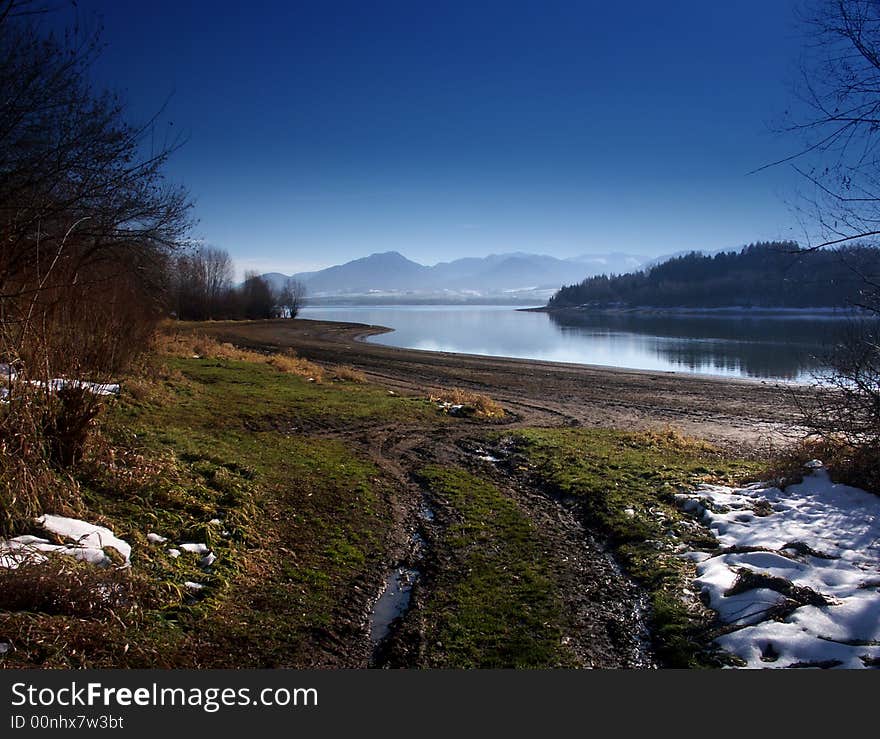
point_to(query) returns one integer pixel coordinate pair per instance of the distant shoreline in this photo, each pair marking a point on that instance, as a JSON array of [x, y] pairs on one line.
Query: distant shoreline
[[723, 311]]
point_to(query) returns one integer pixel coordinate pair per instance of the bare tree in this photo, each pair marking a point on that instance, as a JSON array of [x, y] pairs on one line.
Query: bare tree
[[291, 298], [838, 124], [837, 121], [218, 278], [257, 299], [202, 284], [84, 205]]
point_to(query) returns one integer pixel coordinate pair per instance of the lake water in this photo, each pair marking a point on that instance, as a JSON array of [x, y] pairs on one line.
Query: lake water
[[779, 348]]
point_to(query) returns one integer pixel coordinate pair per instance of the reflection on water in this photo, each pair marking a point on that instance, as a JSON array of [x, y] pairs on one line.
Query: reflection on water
[[789, 348]]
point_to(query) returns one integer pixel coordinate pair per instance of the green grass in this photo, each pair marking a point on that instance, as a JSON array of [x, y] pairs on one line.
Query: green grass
[[495, 602], [304, 518], [259, 397], [624, 485], [304, 531]]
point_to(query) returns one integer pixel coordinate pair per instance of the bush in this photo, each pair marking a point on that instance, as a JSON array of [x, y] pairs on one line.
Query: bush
[[344, 372], [472, 403], [842, 413], [30, 484]]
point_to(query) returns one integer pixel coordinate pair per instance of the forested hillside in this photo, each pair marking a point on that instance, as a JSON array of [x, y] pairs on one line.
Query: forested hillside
[[766, 274]]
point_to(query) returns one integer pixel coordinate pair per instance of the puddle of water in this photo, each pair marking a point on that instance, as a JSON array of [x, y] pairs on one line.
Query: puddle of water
[[426, 512], [393, 602]]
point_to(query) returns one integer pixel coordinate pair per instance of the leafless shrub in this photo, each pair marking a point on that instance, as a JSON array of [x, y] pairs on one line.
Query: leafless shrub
[[345, 372], [30, 484], [842, 413], [87, 223], [473, 403]]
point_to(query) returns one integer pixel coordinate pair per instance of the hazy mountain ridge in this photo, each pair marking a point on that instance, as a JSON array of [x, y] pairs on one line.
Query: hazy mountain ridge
[[518, 276]]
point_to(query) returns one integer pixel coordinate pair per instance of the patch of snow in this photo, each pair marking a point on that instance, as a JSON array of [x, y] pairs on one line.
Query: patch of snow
[[156, 538], [21, 549], [96, 388], [88, 542], [812, 553], [33, 550], [174, 553], [208, 559], [215, 522], [5, 647], [190, 585], [86, 535], [195, 548]]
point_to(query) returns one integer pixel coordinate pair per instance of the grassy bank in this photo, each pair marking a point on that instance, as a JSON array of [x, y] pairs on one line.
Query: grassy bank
[[213, 451], [623, 487], [267, 460]]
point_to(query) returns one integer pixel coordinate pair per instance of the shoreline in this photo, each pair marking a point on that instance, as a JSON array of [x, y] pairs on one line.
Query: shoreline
[[726, 410], [720, 312], [365, 331]]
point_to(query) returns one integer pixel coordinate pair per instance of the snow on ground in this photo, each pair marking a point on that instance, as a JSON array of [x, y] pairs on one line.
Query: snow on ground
[[195, 547], [85, 534], [96, 388], [798, 577], [87, 543], [8, 375]]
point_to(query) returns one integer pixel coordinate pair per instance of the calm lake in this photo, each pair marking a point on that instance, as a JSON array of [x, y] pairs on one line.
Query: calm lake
[[779, 348]]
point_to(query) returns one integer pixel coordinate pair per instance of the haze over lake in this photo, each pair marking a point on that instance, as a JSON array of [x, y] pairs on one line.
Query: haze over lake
[[766, 347]]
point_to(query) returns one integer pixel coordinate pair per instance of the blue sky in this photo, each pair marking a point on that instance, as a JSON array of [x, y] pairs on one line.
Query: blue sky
[[321, 132]]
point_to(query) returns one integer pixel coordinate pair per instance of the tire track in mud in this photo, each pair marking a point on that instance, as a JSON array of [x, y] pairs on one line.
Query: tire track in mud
[[605, 608]]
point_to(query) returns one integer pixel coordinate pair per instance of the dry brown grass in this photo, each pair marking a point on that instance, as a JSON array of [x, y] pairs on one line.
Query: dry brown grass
[[294, 365], [197, 346], [30, 483], [670, 436], [63, 586], [345, 372], [475, 404]]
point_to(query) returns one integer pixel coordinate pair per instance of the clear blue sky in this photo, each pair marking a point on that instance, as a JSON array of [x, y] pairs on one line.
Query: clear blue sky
[[320, 132]]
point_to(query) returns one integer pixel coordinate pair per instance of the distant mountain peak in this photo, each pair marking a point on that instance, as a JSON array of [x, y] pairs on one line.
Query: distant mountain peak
[[390, 272]]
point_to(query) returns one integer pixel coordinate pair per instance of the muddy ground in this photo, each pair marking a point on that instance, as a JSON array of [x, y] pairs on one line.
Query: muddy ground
[[730, 412], [745, 416]]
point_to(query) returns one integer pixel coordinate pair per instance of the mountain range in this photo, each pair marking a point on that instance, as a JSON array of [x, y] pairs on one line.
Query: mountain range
[[515, 277]]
